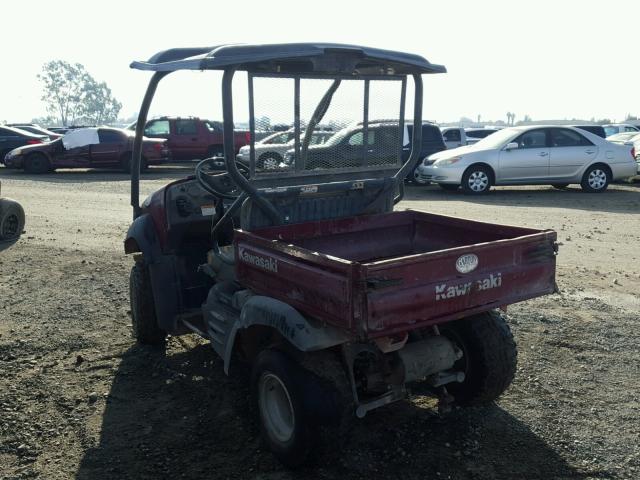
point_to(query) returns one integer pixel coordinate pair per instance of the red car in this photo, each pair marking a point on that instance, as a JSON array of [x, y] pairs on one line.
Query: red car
[[87, 148], [191, 137]]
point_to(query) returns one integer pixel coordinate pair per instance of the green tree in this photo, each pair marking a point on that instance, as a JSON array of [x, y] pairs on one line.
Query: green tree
[[72, 94], [99, 105]]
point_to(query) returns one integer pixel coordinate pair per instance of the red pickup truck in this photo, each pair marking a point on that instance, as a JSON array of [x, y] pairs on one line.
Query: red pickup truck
[[191, 137]]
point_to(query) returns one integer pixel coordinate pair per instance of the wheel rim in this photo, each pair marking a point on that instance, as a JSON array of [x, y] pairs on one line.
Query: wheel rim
[[597, 179], [478, 181], [10, 226], [276, 408], [269, 163]]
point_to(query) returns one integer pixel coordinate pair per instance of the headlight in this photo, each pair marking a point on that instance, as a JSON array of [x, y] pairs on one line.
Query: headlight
[[445, 162], [244, 149]]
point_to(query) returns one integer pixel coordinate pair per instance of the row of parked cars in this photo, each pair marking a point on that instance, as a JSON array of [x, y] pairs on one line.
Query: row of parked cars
[[453, 157]]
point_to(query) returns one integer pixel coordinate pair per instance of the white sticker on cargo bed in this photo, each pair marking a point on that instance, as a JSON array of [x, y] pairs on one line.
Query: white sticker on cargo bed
[[266, 263], [208, 210], [445, 291]]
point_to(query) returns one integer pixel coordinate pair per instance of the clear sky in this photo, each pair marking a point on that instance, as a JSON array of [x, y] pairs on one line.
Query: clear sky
[[548, 59]]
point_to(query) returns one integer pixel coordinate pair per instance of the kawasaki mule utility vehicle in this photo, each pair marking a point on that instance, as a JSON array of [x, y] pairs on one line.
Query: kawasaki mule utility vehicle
[[305, 272]]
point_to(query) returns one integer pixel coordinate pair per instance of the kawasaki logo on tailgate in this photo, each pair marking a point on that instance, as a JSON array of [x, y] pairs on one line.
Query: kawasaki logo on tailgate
[[266, 263], [446, 291]]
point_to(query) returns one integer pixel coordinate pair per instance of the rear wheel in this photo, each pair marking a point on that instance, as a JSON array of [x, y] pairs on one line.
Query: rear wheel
[[37, 163], [279, 386], [477, 180], [125, 163], [596, 179], [449, 187], [489, 357], [215, 151], [143, 311]]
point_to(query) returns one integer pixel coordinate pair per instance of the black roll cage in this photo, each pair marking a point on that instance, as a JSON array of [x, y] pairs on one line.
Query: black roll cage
[[403, 63]]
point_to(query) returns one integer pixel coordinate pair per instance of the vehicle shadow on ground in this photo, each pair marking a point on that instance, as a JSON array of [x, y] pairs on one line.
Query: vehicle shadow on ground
[[171, 171], [619, 198], [179, 416]]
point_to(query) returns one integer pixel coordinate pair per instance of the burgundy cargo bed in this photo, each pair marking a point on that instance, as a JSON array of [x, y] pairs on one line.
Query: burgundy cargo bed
[[389, 273]]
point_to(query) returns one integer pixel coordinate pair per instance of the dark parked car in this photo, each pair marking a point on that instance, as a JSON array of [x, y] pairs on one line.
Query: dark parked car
[[191, 137], [595, 129], [11, 138], [86, 148], [346, 147], [38, 130]]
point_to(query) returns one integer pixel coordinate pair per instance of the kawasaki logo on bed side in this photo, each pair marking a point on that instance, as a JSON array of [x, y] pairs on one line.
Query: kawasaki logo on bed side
[[444, 291], [266, 263]]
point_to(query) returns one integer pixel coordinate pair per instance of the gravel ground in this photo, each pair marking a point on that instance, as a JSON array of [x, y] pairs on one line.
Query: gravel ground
[[78, 399]]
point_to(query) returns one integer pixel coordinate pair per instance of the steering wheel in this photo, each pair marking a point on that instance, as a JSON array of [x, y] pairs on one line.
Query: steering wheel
[[216, 181]]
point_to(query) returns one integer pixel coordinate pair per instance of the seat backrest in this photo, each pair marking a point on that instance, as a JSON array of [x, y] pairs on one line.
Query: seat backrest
[[314, 207]]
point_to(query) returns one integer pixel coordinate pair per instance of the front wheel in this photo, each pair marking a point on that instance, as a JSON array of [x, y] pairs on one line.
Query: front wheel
[[269, 161], [596, 179], [37, 163], [477, 180], [143, 311], [489, 357]]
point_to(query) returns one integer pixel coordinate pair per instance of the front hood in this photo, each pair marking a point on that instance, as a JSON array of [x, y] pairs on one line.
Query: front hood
[[38, 147], [453, 152], [456, 152]]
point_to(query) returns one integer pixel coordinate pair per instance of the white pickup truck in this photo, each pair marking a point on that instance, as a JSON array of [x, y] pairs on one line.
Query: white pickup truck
[[455, 137]]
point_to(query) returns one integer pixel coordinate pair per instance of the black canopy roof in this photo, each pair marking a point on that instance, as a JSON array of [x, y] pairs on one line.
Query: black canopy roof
[[314, 58]]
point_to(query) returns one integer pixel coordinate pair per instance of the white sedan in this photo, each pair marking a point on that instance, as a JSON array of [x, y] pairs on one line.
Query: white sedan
[[531, 155]]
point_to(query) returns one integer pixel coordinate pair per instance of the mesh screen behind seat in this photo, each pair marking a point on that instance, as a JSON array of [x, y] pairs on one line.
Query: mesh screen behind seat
[[356, 126]]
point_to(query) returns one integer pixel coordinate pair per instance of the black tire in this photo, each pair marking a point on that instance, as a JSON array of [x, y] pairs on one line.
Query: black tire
[[596, 179], [449, 187], [143, 311], [287, 398], [37, 163], [269, 161], [125, 163], [477, 180], [215, 151], [489, 357], [11, 220], [560, 186]]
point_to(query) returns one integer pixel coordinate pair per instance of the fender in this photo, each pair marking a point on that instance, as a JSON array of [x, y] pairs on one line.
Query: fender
[[301, 332], [141, 238]]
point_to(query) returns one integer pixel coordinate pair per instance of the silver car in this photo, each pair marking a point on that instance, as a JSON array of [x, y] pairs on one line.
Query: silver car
[[270, 150], [628, 138], [531, 155]]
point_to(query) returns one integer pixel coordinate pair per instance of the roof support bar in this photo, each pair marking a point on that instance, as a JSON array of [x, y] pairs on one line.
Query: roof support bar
[[136, 157], [229, 151], [416, 142]]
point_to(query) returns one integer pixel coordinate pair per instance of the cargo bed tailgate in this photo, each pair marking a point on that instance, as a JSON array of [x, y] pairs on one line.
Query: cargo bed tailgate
[[432, 287]]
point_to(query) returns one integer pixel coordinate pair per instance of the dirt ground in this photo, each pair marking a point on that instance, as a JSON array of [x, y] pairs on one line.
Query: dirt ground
[[79, 400]]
